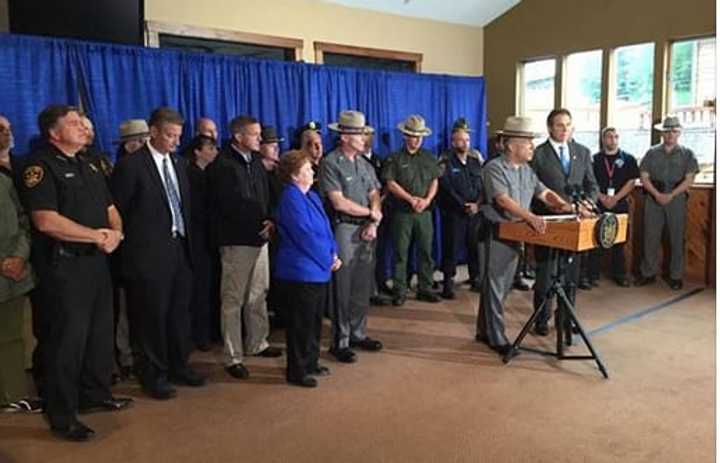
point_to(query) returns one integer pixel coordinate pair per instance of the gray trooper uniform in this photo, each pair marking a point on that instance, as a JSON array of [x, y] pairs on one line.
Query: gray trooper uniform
[[353, 281], [667, 171], [501, 257]]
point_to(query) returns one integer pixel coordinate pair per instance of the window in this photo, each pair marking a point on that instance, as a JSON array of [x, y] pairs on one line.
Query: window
[[368, 58], [691, 97], [208, 40], [632, 95], [537, 95], [583, 79]]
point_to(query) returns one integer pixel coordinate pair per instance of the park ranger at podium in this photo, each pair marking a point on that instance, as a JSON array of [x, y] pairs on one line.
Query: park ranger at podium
[[510, 185]]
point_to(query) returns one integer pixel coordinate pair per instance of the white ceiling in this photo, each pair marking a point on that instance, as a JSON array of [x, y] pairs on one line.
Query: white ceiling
[[469, 12]]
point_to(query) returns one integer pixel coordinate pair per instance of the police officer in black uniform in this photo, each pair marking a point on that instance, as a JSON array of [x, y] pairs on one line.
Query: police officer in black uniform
[[460, 196], [75, 225]]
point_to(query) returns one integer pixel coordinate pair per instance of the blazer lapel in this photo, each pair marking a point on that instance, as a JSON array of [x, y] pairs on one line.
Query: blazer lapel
[[184, 187], [155, 177]]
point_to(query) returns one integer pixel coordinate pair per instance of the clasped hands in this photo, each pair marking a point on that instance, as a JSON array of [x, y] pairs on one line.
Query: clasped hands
[[418, 204], [108, 239], [13, 267]]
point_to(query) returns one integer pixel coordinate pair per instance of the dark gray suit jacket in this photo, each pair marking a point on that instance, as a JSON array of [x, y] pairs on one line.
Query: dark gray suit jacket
[[547, 166]]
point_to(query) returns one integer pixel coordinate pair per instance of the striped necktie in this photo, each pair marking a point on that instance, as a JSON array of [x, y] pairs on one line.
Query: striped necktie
[[174, 197]]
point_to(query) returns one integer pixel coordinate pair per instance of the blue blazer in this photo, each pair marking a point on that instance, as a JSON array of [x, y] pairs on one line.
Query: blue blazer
[[306, 246]]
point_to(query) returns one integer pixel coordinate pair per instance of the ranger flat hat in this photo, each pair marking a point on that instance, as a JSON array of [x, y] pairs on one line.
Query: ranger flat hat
[[132, 128], [518, 127], [669, 123], [350, 121], [269, 135], [414, 126], [461, 124]]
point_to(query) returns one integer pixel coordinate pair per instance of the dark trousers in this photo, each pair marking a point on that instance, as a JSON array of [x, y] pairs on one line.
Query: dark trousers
[[40, 299], [383, 240], [304, 303], [459, 230], [546, 270], [159, 302], [79, 349], [201, 312], [617, 259]]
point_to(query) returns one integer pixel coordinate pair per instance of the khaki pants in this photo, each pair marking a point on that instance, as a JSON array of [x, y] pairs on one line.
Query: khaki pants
[[244, 287], [12, 351]]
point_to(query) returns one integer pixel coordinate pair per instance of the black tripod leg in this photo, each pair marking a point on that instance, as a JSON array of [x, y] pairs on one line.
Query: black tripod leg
[[525, 329], [570, 312]]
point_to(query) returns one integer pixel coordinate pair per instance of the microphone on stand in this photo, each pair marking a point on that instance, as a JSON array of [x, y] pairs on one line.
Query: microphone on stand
[[571, 191], [587, 201]]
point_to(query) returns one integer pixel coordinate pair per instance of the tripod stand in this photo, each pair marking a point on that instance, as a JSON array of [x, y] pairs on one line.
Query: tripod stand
[[565, 319]]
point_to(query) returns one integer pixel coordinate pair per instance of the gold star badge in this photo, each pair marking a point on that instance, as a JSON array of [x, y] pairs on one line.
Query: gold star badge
[[33, 175]]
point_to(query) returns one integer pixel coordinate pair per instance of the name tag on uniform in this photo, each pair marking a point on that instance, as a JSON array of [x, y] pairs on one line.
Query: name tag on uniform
[[455, 170], [348, 179], [69, 174], [402, 166], [611, 191]]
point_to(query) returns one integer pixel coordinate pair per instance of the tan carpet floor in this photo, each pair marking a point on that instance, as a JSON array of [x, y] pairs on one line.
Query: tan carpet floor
[[435, 395]]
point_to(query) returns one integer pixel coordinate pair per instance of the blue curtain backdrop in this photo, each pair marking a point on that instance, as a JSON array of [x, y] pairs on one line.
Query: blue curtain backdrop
[[116, 82]]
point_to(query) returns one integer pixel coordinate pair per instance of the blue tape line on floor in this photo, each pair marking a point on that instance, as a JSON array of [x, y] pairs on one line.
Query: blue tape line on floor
[[643, 313]]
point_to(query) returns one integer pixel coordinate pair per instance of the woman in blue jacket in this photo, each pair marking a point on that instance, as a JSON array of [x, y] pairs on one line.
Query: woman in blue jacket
[[305, 259]]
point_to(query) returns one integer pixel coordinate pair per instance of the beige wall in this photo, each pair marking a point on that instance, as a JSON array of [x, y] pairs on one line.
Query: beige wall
[[537, 28], [4, 20], [446, 48]]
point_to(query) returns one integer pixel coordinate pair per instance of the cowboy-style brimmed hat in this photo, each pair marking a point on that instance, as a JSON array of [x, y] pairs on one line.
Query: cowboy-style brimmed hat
[[132, 128], [351, 122], [269, 135], [414, 126], [518, 127], [669, 123], [461, 124]]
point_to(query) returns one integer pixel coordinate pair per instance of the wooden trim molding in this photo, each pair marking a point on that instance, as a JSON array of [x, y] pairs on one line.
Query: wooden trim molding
[[322, 47], [153, 29]]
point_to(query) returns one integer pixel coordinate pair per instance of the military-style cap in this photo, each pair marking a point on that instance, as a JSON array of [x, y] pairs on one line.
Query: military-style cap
[[269, 135], [311, 125], [461, 124], [668, 124], [414, 126], [352, 122]]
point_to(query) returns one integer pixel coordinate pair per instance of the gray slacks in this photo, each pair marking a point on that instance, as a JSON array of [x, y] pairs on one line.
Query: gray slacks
[[353, 284], [655, 219]]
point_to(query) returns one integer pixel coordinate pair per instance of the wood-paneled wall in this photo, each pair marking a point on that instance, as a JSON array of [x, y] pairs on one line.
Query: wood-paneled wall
[[699, 236]]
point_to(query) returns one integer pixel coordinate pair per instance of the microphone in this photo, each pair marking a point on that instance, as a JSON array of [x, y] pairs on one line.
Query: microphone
[[587, 201], [571, 191]]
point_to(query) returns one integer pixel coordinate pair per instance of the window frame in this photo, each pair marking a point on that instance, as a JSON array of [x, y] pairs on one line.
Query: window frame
[[365, 52]]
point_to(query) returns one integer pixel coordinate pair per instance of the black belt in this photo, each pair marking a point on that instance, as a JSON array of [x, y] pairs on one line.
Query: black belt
[[67, 252], [176, 235], [352, 220]]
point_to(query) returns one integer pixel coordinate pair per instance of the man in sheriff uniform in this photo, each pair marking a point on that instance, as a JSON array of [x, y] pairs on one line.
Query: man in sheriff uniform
[[667, 172], [460, 196], [412, 178], [75, 224], [510, 185], [353, 191]]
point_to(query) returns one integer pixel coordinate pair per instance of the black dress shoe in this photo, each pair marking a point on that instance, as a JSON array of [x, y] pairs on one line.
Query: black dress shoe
[[541, 330], [475, 287], [188, 377], [160, 390], [238, 371], [448, 293], [319, 370], [305, 381], [369, 344], [428, 297], [344, 355], [379, 300], [481, 338], [270, 352], [76, 432], [622, 282], [643, 281], [585, 284], [398, 300], [675, 284], [385, 289], [112, 404]]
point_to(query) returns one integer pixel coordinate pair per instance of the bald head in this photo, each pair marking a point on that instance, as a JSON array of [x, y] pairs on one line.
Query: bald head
[[207, 128], [311, 143]]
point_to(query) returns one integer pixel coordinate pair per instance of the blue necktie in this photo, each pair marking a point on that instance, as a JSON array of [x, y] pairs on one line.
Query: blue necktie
[[564, 160], [174, 197]]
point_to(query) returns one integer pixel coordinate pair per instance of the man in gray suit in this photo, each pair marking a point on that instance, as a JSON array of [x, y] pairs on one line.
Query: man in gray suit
[[562, 165]]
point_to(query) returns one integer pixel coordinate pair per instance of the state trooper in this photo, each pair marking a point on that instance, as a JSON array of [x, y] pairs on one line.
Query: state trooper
[[353, 191], [75, 224], [510, 185], [459, 197], [667, 172]]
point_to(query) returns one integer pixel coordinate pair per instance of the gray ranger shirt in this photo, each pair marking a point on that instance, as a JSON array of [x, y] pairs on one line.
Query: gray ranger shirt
[[519, 183]]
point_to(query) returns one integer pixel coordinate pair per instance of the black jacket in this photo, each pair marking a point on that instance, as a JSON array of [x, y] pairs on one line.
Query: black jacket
[[239, 197]]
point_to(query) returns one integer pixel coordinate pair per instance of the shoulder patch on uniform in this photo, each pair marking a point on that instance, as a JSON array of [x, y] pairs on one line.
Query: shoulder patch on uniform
[[92, 166], [33, 175]]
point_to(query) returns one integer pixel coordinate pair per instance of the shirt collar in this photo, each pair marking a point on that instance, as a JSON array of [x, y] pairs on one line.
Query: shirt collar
[[157, 155], [556, 146]]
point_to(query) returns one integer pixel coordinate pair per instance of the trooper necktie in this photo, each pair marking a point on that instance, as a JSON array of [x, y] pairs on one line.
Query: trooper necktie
[[174, 197], [564, 160]]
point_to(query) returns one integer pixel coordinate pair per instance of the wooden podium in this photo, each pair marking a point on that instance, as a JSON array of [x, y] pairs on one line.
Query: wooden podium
[[569, 234], [564, 235]]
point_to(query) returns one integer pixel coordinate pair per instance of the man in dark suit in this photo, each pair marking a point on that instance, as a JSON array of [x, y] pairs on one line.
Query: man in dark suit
[[561, 164], [151, 190]]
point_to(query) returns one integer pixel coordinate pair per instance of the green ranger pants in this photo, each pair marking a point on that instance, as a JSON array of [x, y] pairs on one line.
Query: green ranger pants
[[405, 225], [12, 351]]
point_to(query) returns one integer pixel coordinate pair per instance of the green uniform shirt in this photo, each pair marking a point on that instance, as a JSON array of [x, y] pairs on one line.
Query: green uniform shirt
[[413, 172], [14, 239], [669, 168]]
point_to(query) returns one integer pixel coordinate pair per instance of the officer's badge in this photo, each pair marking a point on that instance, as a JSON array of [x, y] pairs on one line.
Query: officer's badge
[[92, 166], [33, 175], [312, 125], [606, 230]]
